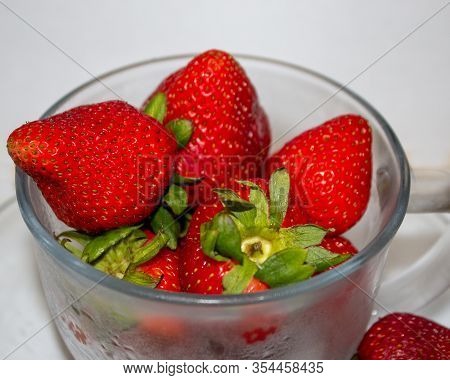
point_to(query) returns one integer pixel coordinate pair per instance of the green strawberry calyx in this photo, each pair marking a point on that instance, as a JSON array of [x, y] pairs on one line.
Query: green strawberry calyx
[[117, 252], [182, 129], [249, 232], [120, 251], [156, 107]]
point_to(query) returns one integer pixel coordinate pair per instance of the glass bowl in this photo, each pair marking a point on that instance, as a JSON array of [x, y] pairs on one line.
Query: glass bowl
[[325, 317]]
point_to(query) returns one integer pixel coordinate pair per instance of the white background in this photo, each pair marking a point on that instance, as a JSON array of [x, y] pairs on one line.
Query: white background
[[410, 86]]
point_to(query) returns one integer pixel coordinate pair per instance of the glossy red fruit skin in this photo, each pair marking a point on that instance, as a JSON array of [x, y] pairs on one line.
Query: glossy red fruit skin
[[198, 272], [166, 264], [338, 244], [231, 130], [330, 167], [256, 285], [99, 166], [402, 336], [295, 216]]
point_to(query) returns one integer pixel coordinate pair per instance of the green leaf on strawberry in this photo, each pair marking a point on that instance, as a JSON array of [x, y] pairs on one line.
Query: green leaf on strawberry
[[258, 198], [97, 246], [228, 241], [232, 201], [285, 267], [279, 196], [68, 238], [220, 238], [67, 244], [182, 130], [259, 214], [237, 279], [119, 252], [174, 216], [323, 259], [162, 220], [76, 235], [176, 199], [303, 236], [156, 107], [142, 279], [208, 239], [150, 250], [118, 257], [126, 252]]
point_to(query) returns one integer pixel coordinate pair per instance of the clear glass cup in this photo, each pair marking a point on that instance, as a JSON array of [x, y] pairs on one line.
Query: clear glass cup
[[323, 318]]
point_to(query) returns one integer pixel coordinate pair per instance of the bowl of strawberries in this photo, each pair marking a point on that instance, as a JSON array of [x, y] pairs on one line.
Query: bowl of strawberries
[[211, 207]]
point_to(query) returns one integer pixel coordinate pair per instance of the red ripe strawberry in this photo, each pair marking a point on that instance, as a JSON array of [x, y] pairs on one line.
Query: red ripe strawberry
[[330, 168], [200, 273], [99, 166], [164, 265], [338, 244], [256, 285], [405, 336], [238, 243], [231, 130], [294, 215]]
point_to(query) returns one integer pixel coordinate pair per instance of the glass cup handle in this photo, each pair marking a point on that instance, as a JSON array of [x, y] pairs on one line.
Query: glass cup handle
[[429, 277], [430, 191]]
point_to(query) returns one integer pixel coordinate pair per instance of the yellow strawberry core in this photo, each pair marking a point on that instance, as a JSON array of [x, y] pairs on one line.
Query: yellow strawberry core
[[257, 248]]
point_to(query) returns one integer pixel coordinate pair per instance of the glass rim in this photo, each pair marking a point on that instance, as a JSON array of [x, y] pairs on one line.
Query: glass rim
[[50, 245]]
